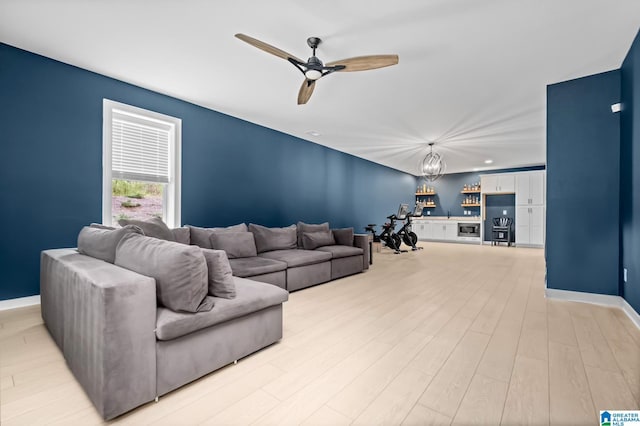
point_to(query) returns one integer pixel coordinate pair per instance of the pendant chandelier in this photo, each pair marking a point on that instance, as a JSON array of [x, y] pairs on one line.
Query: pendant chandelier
[[433, 165]]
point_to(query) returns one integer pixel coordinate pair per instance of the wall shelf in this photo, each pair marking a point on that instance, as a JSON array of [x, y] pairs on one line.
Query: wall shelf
[[420, 194], [429, 206], [470, 205], [470, 191]]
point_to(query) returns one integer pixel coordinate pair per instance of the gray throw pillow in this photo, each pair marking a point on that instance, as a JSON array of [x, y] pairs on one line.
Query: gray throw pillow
[[307, 227], [221, 282], [153, 227], [236, 244], [101, 243], [343, 236], [181, 235], [313, 240], [201, 236], [268, 239], [180, 271]]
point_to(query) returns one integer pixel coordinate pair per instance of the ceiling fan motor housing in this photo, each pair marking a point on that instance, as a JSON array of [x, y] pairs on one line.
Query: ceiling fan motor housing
[[314, 63]]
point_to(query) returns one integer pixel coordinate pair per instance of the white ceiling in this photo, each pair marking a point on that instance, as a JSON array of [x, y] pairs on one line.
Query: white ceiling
[[471, 77]]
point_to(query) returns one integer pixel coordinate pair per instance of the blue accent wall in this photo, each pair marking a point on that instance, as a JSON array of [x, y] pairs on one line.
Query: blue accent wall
[[583, 181], [232, 171], [630, 175]]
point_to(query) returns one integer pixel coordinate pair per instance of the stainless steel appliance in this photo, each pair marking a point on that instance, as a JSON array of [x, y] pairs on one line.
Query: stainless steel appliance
[[468, 229]]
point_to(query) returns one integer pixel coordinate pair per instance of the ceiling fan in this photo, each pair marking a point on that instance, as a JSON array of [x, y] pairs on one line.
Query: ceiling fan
[[313, 68]]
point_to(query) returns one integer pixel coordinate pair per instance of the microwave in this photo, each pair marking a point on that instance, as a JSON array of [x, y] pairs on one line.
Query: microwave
[[468, 229]]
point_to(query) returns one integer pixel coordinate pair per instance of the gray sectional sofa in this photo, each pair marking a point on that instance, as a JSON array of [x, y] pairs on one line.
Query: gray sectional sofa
[[137, 316], [282, 256]]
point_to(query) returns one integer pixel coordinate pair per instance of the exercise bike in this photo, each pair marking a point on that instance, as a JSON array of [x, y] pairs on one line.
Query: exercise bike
[[388, 236], [405, 233]]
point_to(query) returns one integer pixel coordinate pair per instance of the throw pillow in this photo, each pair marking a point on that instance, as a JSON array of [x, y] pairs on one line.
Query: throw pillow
[[153, 227], [313, 240], [236, 244], [221, 282], [307, 227], [343, 236], [101, 243], [201, 236], [268, 239], [181, 235], [180, 271]]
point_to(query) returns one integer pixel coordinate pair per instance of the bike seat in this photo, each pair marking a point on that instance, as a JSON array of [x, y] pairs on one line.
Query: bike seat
[[371, 225]]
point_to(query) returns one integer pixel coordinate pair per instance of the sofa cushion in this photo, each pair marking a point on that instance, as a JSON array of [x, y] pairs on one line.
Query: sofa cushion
[[101, 242], [220, 275], [341, 251], [251, 266], [181, 235], [297, 257], [101, 226], [236, 244], [343, 236], [251, 297], [180, 271], [268, 239], [313, 240], [201, 236], [302, 227], [153, 227]]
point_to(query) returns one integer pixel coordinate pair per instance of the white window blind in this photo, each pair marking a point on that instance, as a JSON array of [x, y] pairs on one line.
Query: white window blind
[[139, 148]]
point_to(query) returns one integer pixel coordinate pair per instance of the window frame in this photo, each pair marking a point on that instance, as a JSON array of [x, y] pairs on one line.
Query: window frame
[[171, 204]]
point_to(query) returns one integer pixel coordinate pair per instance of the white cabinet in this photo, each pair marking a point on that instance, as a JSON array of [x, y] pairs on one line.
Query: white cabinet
[[451, 231], [530, 225], [447, 231], [437, 231], [530, 208], [530, 188], [498, 184], [421, 229], [441, 230]]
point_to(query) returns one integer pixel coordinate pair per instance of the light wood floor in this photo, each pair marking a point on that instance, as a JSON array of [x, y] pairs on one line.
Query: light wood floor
[[453, 334]]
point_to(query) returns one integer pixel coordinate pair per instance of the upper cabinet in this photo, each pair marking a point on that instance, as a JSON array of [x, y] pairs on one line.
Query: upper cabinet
[[498, 184], [530, 188]]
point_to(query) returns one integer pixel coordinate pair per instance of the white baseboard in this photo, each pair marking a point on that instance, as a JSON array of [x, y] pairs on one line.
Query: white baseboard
[[597, 299], [20, 302]]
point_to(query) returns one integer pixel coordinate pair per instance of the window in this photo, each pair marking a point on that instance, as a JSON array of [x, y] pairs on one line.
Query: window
[[140, 164]]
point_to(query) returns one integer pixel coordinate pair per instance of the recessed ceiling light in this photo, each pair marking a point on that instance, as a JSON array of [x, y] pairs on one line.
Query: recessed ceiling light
[[488, 161], [313, 133]]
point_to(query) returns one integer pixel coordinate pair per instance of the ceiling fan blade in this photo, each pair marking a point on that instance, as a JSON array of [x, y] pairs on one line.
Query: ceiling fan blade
[[268, 48], [306, 91], [363, 63]]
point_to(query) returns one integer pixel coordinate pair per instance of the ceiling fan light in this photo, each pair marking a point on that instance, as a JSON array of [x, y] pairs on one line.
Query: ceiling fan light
[[312, 74]]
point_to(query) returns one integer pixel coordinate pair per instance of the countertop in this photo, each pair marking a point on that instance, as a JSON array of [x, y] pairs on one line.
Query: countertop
[[452, 218]]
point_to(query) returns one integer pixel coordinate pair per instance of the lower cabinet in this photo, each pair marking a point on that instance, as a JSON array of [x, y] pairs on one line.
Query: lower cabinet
[[530, 225], [438, 230], [421, 230]]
